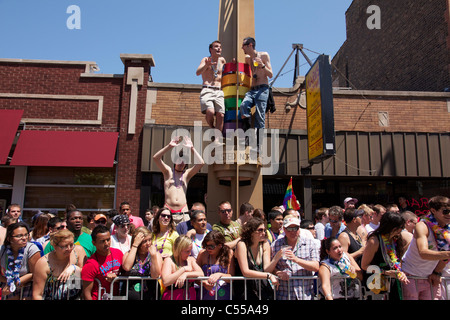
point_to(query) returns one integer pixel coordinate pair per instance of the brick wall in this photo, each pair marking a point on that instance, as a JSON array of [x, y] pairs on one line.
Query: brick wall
[[410, 52], [56, 80], [353, 110]]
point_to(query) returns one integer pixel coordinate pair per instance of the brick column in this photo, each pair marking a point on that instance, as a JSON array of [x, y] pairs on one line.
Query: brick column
[[132, 115]]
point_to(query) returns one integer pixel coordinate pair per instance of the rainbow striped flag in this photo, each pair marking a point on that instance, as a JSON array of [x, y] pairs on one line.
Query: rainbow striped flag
[[290, 201]]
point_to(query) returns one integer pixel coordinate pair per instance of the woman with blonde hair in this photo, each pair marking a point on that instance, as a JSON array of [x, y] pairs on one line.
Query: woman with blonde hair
[[143, 260], [56, 274], [177, 269], [367, 217]]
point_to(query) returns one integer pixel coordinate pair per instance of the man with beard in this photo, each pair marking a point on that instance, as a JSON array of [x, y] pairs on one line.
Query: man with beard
[[74, 219]]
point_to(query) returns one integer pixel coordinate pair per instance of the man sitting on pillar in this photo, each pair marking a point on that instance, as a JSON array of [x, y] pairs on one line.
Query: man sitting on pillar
[[259, 62], [211, 97]]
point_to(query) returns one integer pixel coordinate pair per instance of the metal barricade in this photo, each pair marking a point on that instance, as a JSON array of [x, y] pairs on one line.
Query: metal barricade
[[445, 288], [124, 281]]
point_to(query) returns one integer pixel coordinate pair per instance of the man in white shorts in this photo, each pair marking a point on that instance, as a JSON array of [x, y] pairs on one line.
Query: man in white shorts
[[211, 97]]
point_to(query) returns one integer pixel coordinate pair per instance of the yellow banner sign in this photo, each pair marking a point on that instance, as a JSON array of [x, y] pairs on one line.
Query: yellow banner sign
[[314, 113]]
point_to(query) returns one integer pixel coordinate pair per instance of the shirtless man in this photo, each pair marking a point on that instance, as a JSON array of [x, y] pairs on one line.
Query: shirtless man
[[261, 70], [176, 179], [211, 97]]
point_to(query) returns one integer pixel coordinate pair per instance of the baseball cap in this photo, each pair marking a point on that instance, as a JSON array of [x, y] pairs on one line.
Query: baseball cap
[[350, 199], [291, 221], [99, 216]]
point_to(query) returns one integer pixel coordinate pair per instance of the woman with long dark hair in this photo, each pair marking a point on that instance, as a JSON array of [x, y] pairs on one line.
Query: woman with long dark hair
[[18, 257], [253, 256], [216, 261], [164, 233], [384, 249]]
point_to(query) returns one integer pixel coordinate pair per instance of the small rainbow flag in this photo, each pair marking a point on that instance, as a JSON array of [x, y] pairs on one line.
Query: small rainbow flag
[[290, 201]]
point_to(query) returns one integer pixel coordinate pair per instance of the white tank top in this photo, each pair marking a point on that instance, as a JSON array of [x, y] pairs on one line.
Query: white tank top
[[413, 264]]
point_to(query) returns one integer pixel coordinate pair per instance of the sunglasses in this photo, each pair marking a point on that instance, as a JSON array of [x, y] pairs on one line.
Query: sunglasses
[[210, 247], [292, 228], [165, 216], [446, 211], [226, 210]]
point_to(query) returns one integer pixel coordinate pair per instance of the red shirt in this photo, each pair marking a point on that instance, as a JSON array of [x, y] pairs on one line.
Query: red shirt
[[97, 267]]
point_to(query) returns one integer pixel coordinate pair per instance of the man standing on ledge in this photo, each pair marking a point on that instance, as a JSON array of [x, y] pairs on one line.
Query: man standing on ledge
[[176, 179], [261, 71], [211, 97]]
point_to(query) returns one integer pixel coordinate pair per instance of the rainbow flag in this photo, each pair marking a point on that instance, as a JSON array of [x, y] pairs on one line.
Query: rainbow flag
[[290, 201]]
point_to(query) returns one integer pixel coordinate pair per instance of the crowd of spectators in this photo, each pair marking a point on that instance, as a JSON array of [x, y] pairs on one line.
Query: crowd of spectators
[[346, 252]]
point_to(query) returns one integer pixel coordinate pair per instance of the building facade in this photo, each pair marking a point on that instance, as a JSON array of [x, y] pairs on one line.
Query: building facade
[[81, 137], [406, 49]]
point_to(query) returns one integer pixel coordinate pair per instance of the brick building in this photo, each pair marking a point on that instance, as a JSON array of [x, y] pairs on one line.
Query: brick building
[[70, 135], [409, 52]]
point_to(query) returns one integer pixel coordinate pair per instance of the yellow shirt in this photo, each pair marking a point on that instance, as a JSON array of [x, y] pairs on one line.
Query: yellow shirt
[[164, 244]]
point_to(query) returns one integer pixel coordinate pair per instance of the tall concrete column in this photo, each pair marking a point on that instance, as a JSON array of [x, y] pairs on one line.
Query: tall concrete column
[[236, 182]]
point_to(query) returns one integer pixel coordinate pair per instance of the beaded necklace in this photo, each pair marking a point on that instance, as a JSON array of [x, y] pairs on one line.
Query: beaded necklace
[[164, 242]]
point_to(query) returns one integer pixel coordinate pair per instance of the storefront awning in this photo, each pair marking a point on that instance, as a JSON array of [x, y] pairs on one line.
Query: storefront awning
[[9, 122], [65, 149]]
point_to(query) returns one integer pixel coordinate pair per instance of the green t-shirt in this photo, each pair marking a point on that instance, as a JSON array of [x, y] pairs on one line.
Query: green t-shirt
[[230, 232], [84, 240]]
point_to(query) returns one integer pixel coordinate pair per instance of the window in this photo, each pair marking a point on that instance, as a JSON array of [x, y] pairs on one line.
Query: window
[[89, 189]]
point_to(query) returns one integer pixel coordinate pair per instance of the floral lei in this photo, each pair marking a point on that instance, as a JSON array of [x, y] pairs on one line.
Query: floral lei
[[441, 234], [390, 250]]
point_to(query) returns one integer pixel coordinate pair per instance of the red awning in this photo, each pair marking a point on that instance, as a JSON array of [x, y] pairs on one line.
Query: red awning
[[9, 122], [65, 149]]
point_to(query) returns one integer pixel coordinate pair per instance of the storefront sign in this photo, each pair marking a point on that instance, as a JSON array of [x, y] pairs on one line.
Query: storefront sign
[[319, 110]]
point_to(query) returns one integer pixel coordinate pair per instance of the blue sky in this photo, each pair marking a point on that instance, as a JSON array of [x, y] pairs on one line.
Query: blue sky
[[176, 33]]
